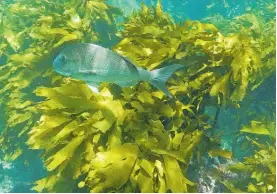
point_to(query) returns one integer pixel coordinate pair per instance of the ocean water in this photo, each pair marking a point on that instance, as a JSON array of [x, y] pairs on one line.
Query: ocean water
[[209, 174]]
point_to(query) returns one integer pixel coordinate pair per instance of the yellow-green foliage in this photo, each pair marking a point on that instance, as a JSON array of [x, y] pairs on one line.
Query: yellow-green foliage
[[260, 167], [258, 24], [150, 39], [122, 139], [33, 30], [99, 136]]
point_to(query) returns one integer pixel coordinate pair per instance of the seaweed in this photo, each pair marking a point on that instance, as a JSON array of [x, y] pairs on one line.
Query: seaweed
[[44, 26], [258, 170], [132, 139]]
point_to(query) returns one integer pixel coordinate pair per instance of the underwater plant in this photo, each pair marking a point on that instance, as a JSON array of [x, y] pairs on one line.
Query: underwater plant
[[28, 62], [147, 139], [257, 171]]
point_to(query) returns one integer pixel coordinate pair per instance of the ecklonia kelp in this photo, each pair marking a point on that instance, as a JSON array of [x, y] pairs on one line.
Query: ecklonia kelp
[[110, 170], [175, 180], [151, 41], [31, 32], [75, 125], [137, 140]]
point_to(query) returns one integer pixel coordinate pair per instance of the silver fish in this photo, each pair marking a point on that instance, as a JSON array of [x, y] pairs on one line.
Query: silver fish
[[95, 64]]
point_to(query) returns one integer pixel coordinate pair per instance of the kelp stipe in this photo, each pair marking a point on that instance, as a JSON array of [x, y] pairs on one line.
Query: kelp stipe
[[142, 136]]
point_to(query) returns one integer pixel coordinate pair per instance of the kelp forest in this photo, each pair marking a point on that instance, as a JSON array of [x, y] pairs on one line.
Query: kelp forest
[[217, 133]]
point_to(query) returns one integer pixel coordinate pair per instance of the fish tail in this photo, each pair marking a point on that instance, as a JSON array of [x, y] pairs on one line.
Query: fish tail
[[159, 77]]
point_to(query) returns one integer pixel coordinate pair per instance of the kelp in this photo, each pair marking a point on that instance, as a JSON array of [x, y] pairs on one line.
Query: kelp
[[259, 24], [108, 136], [228, 65], [31, 37], [257, 171], [131, 139]]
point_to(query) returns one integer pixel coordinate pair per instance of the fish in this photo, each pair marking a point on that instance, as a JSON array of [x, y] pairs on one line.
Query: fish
[[95, 64]]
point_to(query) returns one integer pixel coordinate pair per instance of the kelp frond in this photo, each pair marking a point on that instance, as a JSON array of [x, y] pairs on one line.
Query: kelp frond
[[257, 171], [132, 139], [33, 33]]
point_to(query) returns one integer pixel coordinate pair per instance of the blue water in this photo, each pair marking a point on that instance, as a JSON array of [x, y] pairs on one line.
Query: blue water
[[196, 9], [16, 177]]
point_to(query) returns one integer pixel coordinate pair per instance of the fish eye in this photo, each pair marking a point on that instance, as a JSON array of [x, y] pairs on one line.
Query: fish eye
[[63, 58]]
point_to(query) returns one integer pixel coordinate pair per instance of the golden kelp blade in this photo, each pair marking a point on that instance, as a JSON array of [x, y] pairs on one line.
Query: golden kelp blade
[[137, 133]]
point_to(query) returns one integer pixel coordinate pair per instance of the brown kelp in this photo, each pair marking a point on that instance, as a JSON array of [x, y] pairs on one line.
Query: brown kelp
[[33, 30], [257, 171], [138, 134]]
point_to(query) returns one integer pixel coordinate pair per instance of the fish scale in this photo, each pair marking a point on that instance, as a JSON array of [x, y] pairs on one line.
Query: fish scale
[[95, 64], [112, 65]]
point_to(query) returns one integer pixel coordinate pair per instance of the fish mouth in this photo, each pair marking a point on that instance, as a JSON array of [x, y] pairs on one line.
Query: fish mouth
[[62, 73]]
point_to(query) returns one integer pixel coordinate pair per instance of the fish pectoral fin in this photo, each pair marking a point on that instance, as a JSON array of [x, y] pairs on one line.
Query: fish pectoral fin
[[93, 86], [126, 84]]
